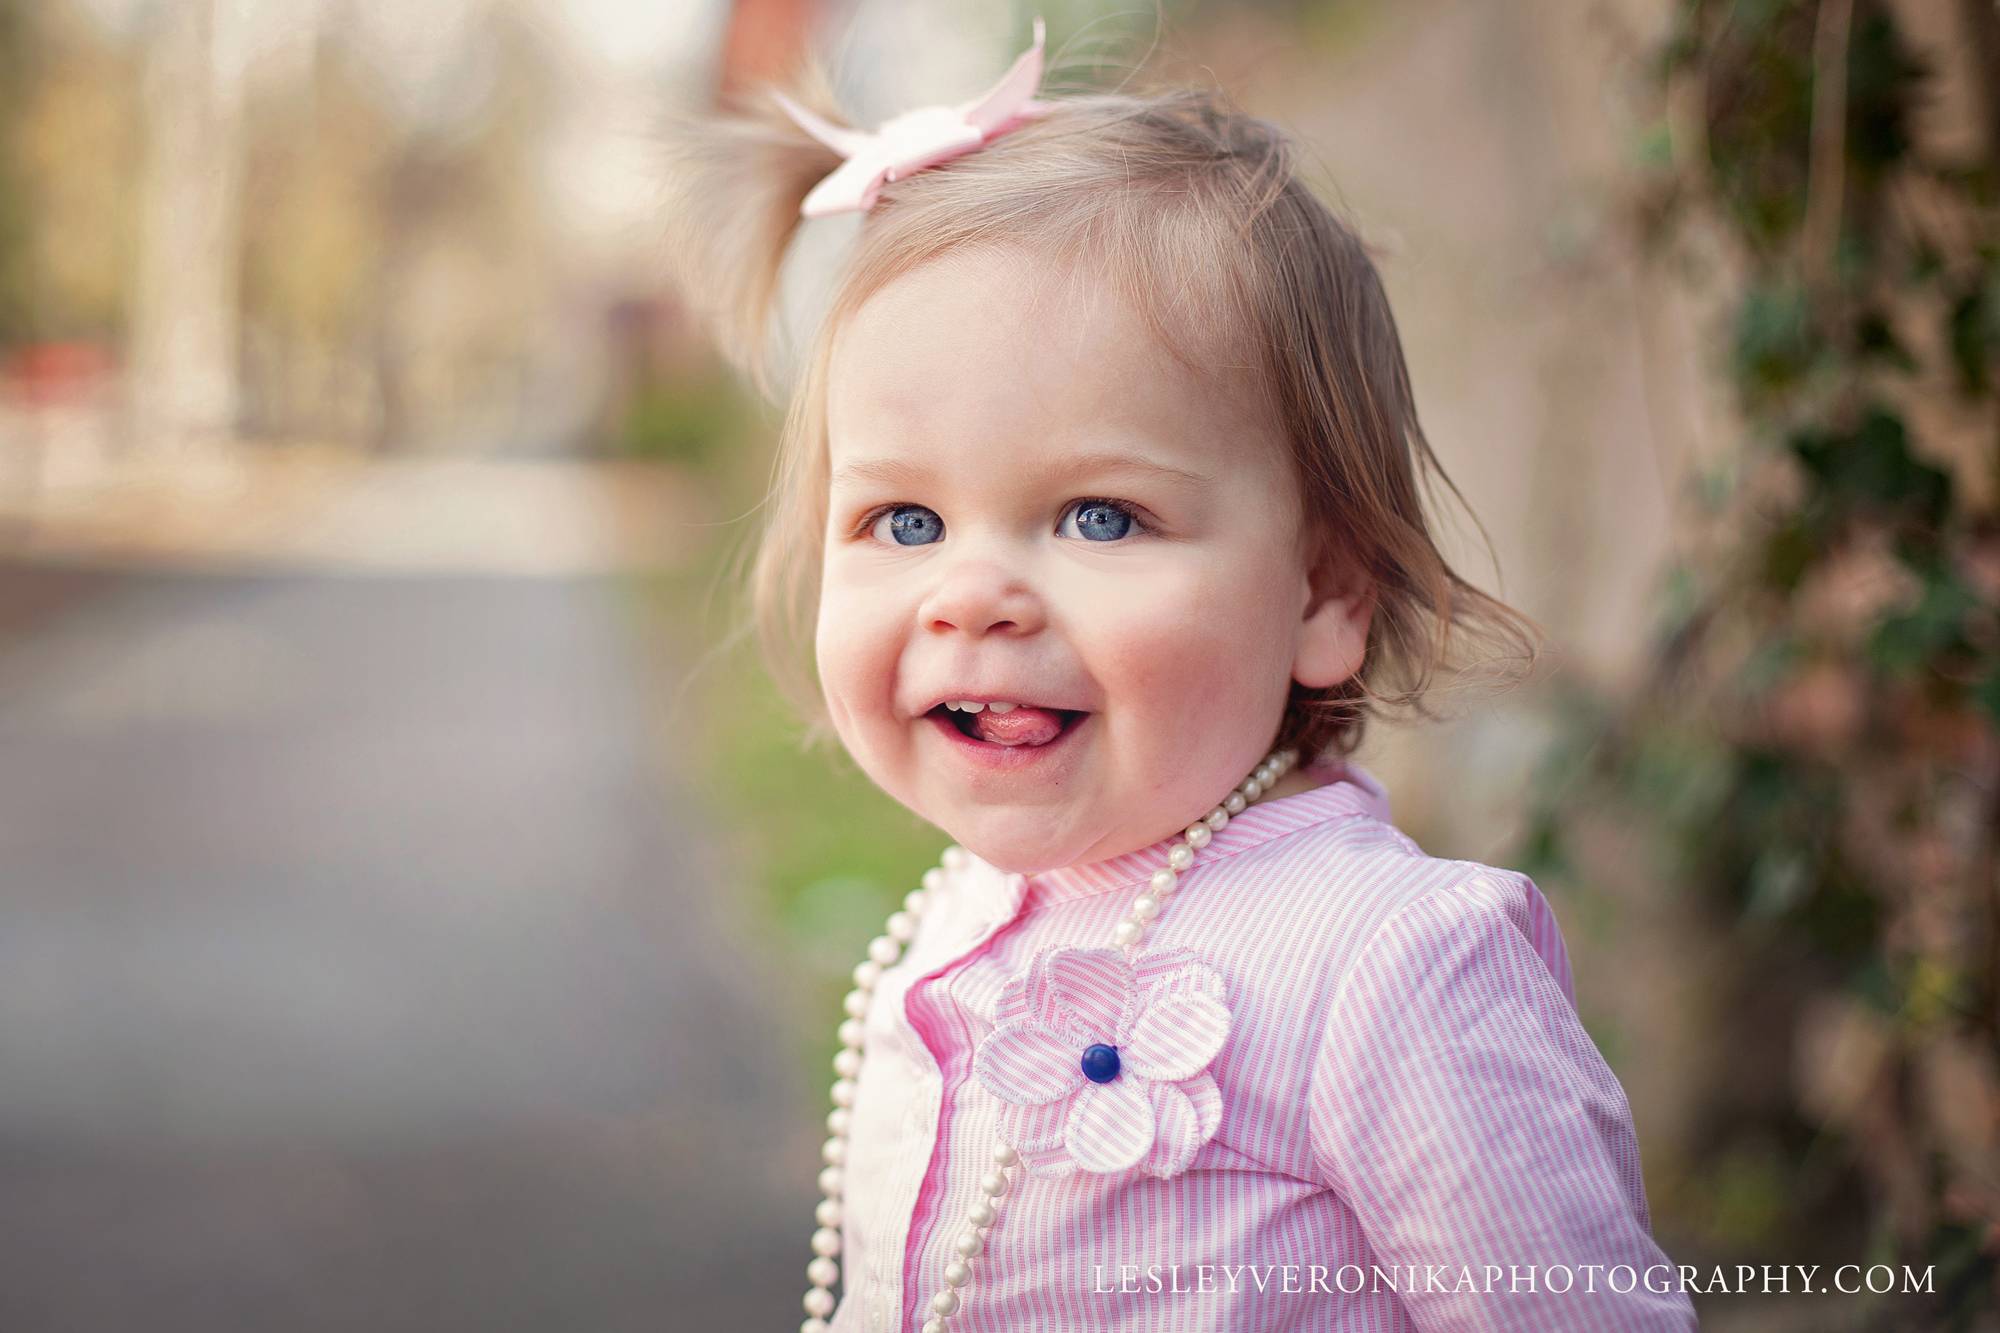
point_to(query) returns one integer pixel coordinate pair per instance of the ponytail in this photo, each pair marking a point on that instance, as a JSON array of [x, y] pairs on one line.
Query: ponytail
[[734, 181]]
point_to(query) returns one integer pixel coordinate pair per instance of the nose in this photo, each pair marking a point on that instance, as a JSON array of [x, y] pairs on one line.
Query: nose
[[978, 597]]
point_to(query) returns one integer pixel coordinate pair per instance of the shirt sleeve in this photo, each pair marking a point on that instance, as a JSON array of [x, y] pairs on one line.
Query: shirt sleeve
[[1464, 1115]]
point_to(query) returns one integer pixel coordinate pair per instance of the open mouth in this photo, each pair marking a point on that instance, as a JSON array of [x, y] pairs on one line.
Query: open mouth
[[966, 724]]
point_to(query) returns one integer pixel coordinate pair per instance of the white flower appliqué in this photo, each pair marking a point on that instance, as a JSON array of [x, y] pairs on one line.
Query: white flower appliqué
[[1101, 1062]]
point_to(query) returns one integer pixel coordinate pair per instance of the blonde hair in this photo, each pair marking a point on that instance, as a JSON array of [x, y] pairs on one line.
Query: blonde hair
[[1192, 209]]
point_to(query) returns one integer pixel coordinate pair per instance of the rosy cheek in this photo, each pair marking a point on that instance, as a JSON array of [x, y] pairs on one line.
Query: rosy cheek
[[1183, 666], [856, 648], [1187, 638], [1156, 603]]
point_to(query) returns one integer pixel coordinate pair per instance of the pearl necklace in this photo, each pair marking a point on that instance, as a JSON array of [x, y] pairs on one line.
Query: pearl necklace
[[883, 951]]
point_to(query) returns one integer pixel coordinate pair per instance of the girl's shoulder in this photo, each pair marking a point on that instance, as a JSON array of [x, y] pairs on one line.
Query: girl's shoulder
[[1336, 846], [1320, 894], [1339, 853]]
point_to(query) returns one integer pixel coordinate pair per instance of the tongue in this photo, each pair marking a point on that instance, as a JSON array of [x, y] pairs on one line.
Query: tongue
[[1023, 726]]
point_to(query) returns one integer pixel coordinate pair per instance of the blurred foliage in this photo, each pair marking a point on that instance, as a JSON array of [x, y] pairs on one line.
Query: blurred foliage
[[68, 112], [13, 191], [683, 419], [1810, 766]]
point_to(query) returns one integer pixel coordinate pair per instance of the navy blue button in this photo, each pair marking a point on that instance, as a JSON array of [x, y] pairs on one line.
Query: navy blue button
[[1100, 1063]]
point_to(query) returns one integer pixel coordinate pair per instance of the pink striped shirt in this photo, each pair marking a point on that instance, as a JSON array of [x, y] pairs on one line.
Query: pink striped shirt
[[1410, 1105]]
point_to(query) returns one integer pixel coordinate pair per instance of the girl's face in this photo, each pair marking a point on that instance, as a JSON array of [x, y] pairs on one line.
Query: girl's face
[[978, 546]]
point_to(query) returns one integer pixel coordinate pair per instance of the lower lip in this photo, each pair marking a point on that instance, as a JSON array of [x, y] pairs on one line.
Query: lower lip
[[1009, 757]]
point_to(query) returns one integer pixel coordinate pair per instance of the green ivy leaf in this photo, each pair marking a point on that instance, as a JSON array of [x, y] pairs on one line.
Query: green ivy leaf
[[1790, 550], [1973, 334], [1775, 344], [1870, 469], [1987, 695], [1904, 643]]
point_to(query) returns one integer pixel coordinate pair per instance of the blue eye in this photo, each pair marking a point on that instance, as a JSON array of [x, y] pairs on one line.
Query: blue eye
[[1111, 519], [1108, 520], [899, 525]]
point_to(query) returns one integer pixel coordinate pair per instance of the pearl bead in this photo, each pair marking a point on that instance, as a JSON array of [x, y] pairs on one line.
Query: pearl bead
[[914, 902], [1004, 1154], [1234, 803], [834, 1151], [819, 1302], [815, 1326], [855, 1003], [957, 1273], [902, 927], [826, 1241], [980, 1214], [866, 973], [1145, 907], [843, 1092], [1164, 881], [968, 1244], [1251, 789], [994, 1183], [851, 1032], [823, 1272], [955, 857], [883, 951], [1216, 819], [1197, 835], [828, 1213], [830, 1181], [1180, 856], [1266, 775], [847, 1062], [933, 1325], [839, 1120], [945, 1302], [1126, 933]]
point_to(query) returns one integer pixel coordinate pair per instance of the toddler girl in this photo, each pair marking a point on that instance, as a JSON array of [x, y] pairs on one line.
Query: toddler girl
[[1099, 498]]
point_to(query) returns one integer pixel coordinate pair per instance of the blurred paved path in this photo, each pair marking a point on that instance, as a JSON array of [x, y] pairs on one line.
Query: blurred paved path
[[354, 972], [319, 508]]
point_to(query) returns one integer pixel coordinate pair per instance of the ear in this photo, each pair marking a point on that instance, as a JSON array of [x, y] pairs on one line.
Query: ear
[[1333, 639]]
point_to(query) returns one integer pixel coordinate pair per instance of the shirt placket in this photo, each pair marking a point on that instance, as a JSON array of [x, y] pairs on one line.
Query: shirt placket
[[966, 927]]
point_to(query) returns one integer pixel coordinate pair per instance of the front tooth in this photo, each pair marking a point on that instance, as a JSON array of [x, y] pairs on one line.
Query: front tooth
[[966, 705], [1001, 708]]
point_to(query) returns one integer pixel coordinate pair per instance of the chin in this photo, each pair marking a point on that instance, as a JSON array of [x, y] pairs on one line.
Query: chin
[[1028, 852]]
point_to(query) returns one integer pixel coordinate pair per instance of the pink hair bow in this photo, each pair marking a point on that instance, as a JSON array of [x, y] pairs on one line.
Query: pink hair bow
[[916, 139]]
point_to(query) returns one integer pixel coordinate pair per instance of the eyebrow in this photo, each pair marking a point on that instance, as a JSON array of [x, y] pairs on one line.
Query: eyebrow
[[897, 471]]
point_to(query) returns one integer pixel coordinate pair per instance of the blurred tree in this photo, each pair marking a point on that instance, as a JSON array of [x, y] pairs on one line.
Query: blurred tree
[[68, 94], [399, 278], [183, 335], [1813, 763], [458, 200], [311, 241]]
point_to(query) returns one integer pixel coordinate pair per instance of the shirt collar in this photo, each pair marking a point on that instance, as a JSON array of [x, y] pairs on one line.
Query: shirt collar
[[1349, 790]]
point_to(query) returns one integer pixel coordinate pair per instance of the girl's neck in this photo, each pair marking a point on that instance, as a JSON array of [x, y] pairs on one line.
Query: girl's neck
[[1298, 780]]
